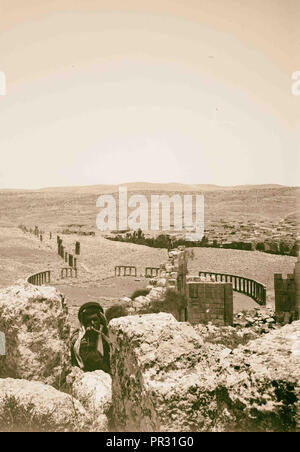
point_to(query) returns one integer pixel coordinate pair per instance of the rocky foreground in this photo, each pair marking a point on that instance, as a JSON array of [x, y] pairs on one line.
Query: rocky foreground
[[166, 375], [166, 378]]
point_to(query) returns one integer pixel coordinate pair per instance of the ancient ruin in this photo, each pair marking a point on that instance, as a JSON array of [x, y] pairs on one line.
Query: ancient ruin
[[125, 270], [171, 371], [287, 295]]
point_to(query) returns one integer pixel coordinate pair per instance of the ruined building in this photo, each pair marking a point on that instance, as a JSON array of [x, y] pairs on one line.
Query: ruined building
[[287, 295]]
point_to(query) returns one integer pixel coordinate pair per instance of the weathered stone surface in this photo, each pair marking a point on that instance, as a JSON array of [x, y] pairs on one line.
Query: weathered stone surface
[[92, 389], [34, 406], [165, 378], [125, 299], [151, 355], [157, 294], [140, 302], [35, 323]]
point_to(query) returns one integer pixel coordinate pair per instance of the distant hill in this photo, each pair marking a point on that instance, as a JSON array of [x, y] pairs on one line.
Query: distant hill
[[61, 206], [149, 186]]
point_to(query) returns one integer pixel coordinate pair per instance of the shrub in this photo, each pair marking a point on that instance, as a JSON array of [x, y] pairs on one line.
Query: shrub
[[260, 246], [116, 311], [173, 302], [140, 293]]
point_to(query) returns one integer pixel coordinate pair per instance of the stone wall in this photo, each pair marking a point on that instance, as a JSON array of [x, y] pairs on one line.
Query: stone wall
[[287, 295], [209, 302], [167, 379], [206, 301]]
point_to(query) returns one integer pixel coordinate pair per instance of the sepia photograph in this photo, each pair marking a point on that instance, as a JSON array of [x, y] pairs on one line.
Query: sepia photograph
[[149, 218]]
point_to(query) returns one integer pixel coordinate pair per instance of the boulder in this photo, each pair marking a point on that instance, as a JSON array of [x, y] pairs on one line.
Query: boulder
[[166, 378], [35, 322], [157, 294], [92, 389], [162, 282], [126, 300], [33, 406]]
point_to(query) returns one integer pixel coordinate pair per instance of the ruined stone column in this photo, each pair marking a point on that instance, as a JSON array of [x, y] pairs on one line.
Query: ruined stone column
[[77, 248], [228, 304], [297, 284]]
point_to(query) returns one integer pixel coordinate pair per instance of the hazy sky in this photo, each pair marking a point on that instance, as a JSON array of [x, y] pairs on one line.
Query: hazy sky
[[194, 91]]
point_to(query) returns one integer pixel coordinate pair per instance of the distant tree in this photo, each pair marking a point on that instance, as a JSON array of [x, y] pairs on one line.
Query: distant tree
[[295, 249], [140, 234], [273, 247], [204, 241], [284, 248], [260, 246]]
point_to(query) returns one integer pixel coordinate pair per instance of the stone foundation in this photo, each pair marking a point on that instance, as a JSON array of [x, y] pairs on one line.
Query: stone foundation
[[209, 302]]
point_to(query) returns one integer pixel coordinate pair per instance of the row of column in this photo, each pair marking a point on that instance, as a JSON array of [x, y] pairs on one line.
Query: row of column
[[247, 286], [40, 278], [125, 270], [152, 272], [68, 272], [69, 258]]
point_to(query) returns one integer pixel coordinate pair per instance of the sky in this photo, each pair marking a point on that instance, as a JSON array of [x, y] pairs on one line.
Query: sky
[[108, 92]]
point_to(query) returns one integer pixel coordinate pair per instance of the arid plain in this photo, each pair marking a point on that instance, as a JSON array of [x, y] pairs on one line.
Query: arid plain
[[74, 209]]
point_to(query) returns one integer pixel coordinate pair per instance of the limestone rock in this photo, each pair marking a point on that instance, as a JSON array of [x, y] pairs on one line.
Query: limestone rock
[[162, 282], [140, 301], [35, 323], [125, 299], [92, 389], [152, 355], [34, 406], [157, 294], [166, 378]]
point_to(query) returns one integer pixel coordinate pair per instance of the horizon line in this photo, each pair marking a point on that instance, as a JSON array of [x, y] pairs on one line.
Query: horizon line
[[147, 183]]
